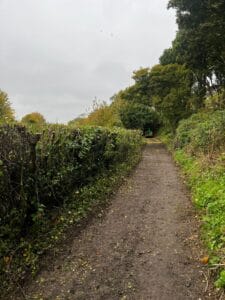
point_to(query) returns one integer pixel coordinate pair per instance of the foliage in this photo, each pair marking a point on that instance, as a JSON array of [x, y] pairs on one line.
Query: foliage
[[16, 180], [168, 57], [202, 133], [166, 89], [139, 116], [140, 91], [199, 144], [34, 119], [200, 42], [6, 112], [215, 101], [220, 282], [171, 92], [207, 184], [42, 175], [102, 115], [208, 189]]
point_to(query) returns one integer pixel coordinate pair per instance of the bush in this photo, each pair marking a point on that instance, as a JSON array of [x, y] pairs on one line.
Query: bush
[[215, 101], [39, 172], [17, 160], [202, 133], [139, 116], [70, 159]]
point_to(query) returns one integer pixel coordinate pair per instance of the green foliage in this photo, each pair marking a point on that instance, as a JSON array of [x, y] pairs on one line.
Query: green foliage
[[102, 115], [200, 142], [200, 42], [166, 89], [16, 179], [33, 120], [168, 57], [202, 133], [220, 282], [139, 116], [83, 154], [140, 91], [6, 112], [41, 176], [171, 92], [208, 190], [215, 101]]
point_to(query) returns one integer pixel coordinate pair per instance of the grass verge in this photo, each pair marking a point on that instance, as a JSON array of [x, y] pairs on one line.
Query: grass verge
[[206, 181]]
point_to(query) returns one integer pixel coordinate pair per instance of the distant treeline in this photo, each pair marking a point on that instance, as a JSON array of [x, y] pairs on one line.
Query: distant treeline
[[189, 72]]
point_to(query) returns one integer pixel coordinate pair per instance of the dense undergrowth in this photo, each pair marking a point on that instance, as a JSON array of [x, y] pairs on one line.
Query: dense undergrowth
[[199, 147], [50, 180]]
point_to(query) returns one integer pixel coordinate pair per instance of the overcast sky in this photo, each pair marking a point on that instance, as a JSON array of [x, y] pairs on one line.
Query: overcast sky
[[56, 56]]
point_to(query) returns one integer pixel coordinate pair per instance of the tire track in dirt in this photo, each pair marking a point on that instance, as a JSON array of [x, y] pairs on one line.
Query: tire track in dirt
[[145, 246]]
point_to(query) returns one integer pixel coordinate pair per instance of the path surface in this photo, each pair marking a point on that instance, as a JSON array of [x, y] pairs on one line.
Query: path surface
[[143, 247]]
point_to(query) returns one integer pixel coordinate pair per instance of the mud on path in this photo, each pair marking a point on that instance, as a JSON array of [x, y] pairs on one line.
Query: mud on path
[[145, 245]]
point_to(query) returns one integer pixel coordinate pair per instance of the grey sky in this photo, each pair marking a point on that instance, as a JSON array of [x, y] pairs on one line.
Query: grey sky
[[56, 56]]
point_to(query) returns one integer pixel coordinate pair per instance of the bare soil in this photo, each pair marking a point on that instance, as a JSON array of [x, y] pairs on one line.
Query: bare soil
[[144, 246]]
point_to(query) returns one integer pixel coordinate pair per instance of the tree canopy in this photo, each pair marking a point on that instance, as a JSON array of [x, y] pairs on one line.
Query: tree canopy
[[6, 112], [140, 91], [33, 119], [102, 114], [171, 87], [200, 42], [139, 116]]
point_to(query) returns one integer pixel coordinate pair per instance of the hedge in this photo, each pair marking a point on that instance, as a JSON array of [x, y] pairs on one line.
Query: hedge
[[41, 172], [202, 133]]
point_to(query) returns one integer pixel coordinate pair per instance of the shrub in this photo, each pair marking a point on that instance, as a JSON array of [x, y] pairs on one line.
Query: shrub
[[202, 133], [139, 116], [68, 159], [215, 101], [39, 172], [17, 160]]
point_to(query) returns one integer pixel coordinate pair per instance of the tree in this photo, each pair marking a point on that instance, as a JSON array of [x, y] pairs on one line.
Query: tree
[[171, 88], [6, 112], [200, 41], [169, 56], [139, 116], [139, 92], [102, 114], [33, 119]]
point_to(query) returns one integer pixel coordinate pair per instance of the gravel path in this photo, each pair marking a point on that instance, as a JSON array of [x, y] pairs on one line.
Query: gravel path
[[144, 246]]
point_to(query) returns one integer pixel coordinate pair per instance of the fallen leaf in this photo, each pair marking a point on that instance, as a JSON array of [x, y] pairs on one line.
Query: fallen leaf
[[204, 260]]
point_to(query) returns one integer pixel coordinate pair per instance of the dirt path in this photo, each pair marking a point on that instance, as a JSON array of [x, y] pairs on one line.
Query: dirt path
[[143, 247]]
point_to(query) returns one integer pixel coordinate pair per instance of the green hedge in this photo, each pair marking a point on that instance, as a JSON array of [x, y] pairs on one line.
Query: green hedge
[[42, 172], [202, 133], [17, 182]]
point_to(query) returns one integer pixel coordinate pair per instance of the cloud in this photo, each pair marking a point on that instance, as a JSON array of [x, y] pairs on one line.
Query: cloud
[[56, 56]]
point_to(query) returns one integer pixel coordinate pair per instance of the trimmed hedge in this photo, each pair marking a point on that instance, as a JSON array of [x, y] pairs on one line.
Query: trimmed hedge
[[17, 181], [41, 172]]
